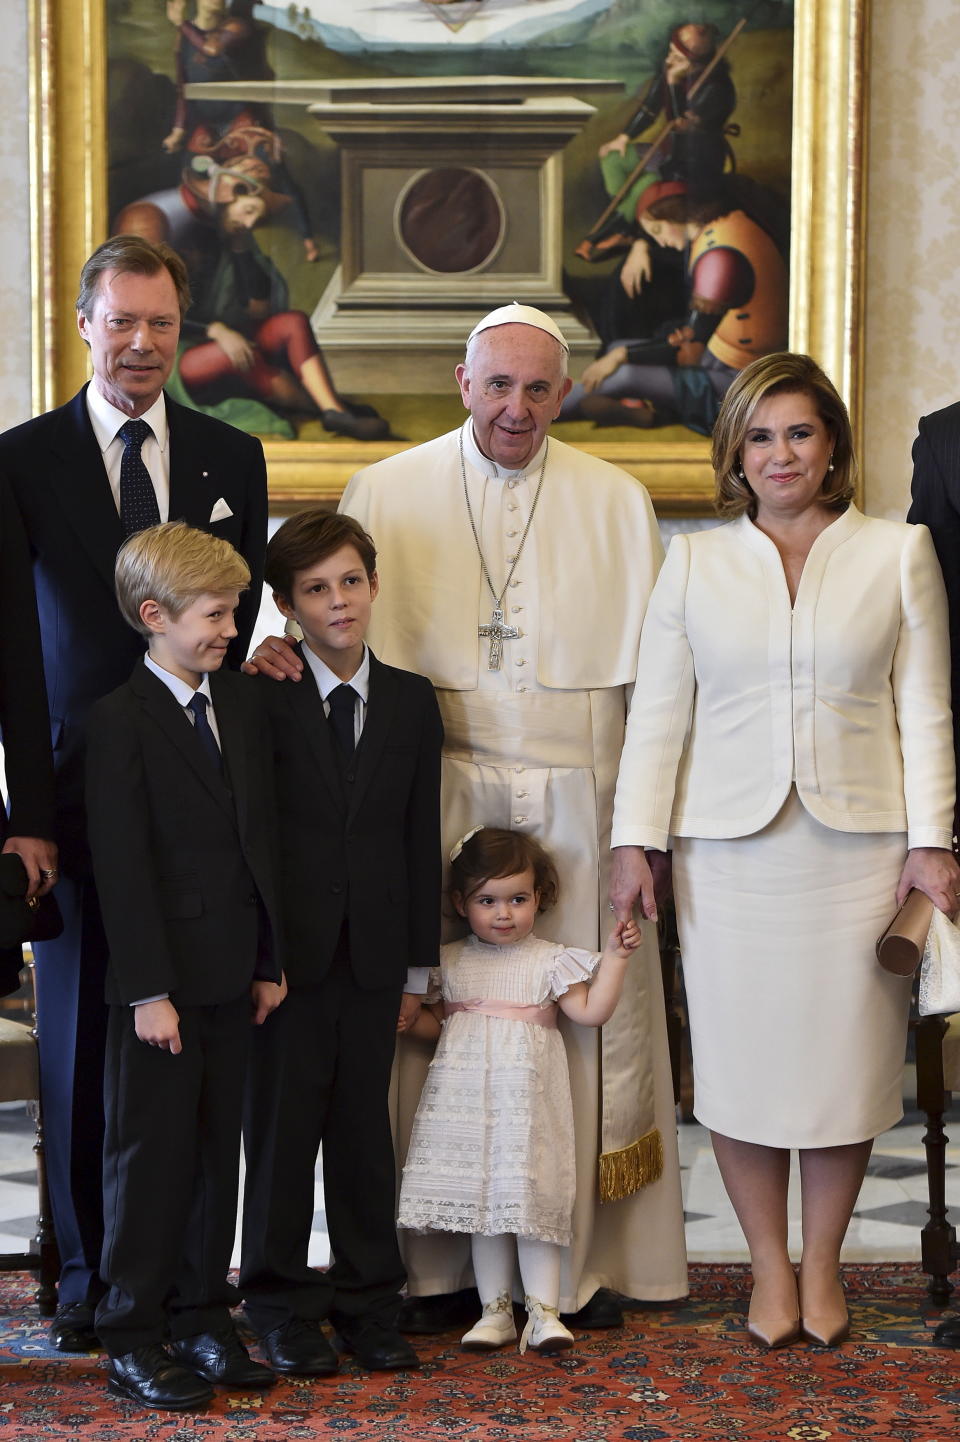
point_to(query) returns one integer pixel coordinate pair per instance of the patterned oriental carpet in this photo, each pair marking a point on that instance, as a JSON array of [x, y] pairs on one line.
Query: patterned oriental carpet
[[682, 1373]]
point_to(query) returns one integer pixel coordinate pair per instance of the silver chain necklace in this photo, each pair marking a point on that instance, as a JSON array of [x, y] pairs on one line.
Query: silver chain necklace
[[495, 629]]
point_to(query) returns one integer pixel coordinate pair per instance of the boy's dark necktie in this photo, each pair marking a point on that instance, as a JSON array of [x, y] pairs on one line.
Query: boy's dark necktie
[[138, 499], [198, 704], [342, 701]]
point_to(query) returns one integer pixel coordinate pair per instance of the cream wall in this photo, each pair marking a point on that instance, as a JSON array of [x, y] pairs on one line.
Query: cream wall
[[913, 240], [913, 237], [14, 219]]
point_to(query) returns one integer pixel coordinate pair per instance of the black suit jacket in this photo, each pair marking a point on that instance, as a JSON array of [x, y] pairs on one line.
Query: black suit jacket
[[55, 473], [23, 707], [184, 857], [359, 841], [23, 697], [936, 503]]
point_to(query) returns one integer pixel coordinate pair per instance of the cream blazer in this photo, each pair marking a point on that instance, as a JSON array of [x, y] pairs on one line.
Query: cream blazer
[[738, 695]]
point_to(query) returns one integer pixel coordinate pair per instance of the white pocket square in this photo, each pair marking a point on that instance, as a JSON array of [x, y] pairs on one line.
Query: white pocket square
[[220, 511]]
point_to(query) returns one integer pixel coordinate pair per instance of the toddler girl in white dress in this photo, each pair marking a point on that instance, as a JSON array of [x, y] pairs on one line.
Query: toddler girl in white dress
[[492, 1148]]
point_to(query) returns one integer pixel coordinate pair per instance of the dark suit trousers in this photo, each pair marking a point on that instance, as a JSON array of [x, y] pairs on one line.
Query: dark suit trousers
[[320, 1074], [171, 1175], [72, 1029]]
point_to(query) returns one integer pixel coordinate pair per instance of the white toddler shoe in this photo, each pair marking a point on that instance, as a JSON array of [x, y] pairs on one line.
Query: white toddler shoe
[[495, 1328], [544, 1331]]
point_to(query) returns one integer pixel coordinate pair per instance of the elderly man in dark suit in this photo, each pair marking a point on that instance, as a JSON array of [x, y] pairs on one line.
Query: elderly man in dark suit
[[116, 458]]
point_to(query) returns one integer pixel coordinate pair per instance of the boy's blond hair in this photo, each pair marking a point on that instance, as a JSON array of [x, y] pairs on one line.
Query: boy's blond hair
[[173, 564]]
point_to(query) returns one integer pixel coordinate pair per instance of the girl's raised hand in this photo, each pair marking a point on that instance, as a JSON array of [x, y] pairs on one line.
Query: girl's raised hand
[[626, 936]]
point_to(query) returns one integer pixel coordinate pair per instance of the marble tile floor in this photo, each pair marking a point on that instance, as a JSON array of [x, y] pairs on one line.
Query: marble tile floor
[[886, 1226]]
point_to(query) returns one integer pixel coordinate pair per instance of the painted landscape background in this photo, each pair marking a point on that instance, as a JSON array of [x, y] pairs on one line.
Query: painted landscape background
[[624, 40]]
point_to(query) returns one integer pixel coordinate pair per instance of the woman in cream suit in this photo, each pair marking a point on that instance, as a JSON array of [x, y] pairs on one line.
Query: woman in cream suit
[[790, 737]]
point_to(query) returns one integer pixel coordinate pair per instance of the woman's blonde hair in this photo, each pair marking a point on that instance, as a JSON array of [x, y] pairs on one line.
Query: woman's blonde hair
[[173, 564], [783, 373]]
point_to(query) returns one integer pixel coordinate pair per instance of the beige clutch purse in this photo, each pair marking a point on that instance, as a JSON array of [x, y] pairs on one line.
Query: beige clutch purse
[[900, 948]]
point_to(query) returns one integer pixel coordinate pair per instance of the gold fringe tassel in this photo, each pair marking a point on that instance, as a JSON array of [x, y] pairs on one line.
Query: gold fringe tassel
[[624, 1172]]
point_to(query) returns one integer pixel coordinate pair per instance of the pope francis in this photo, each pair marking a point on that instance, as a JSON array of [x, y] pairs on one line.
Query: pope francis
[[514, 572]]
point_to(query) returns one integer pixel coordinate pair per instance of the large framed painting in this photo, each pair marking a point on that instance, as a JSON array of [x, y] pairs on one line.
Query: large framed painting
[[352, 187]]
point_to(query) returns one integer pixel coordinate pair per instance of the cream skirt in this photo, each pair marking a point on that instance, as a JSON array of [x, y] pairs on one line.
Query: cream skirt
[[798, 1036]]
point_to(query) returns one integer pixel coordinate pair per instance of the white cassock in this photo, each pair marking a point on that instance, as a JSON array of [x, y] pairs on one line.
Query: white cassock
[[535, 746]]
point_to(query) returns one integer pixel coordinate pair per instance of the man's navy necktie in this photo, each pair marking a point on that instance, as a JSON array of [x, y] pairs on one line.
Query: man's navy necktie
[[198, 704], [138, 499], [342, 701]]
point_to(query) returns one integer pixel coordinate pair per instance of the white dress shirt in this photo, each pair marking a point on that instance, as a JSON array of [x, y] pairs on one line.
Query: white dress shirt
[[155, 451], [184, 693], [328, 681]]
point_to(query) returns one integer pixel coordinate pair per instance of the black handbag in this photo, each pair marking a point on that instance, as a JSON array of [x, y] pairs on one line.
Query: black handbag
[[21, 920]]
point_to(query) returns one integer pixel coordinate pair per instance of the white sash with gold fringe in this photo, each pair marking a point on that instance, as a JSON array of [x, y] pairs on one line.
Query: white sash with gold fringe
[[546, 762]]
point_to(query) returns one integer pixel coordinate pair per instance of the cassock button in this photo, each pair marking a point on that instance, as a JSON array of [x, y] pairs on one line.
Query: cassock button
[[519, 661], [522, 795], [511, 534], [351, 776], [336, 887], [519, 820]]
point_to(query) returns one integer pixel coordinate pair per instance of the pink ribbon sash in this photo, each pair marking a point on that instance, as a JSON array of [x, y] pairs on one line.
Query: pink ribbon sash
[[509, 1011]]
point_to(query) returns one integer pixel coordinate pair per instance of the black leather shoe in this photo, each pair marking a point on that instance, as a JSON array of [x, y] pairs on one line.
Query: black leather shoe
[[299, 1349], [427, 1316], [602, 1310], [72, 1328], [221, 1358], [150, 1377], [376, 1346], [948, 1333]]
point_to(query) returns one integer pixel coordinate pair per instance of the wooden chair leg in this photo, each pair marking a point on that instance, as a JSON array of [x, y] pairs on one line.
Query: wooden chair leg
[[43, 1244], [938, 1239]]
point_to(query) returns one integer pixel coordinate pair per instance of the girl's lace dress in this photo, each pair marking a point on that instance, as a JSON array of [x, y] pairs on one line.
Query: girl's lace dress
[[492, 1144]]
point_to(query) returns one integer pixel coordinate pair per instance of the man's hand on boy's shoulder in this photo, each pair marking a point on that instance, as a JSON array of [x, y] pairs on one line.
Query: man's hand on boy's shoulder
[[157, 1023], [266, 997], [275, 657]]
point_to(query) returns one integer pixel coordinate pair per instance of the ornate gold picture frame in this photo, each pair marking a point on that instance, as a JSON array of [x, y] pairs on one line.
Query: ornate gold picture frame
[[68, 68]]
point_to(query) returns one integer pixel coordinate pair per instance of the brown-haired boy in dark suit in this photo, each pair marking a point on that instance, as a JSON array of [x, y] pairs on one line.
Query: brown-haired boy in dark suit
[[357, 764]]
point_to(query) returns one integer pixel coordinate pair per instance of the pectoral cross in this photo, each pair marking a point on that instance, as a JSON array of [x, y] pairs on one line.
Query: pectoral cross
[[498, 633]]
